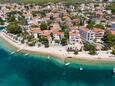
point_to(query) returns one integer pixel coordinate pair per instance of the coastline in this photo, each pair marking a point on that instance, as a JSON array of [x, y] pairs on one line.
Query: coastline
[[56, 52]]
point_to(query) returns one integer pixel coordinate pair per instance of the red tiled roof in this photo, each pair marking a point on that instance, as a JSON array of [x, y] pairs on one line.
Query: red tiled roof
[[99, 12], [36, 17], [46, 32], [65, 17], [54, 29], [98, 30], [36, 31], [58, 18], [55, 24], [59, 33], [26, 14], [73, 33], [113, 32], [73, 28], [76, 20], [85, 29]]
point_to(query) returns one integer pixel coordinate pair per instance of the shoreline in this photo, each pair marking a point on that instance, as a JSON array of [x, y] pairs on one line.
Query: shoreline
[[55, 52]]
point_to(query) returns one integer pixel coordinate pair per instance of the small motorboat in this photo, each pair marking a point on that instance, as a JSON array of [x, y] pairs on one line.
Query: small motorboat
[[48, 57], [68, 63], [81, 69], [12, 52], [113, 71], [26, 54]]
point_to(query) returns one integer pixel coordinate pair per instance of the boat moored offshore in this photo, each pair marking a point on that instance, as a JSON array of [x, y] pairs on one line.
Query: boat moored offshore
[[68, 63], [113, 71]]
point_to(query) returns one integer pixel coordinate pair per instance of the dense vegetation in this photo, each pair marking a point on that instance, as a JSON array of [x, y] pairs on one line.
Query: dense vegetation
[[112, 7], [90, 48], [113, 52], [109, 39], [14, 28]]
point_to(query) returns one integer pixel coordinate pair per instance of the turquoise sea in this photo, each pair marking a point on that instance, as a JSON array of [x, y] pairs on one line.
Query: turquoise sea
[[35, 70]]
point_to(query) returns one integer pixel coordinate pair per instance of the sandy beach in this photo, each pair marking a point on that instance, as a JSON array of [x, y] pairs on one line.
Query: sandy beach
[[55, 51]]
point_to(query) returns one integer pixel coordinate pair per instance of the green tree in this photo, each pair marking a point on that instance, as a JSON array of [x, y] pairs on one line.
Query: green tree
[[64, 41], [11, 18], [100, 26], [81, 22], [90, 24], [92, 52], [35, 13], [66, 34], [14, 28], [88, 47], [1, 21], [44, 40], [21, 20], [44, 26], [113, 52], [52, 35], [75, 52], [63, 27], [112, 7], [109, 39]]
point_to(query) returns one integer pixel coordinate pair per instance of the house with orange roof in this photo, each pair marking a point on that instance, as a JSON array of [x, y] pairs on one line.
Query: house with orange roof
[[54, 30], [36, 18], [66, 17], [47, 18], [36, 32], [56, 15], [77, 20], [56, 25], [99, 13], [27, 15], [58, 35], [99, 33], [58, 19], [47, 33], [74, 37], [112, 31]]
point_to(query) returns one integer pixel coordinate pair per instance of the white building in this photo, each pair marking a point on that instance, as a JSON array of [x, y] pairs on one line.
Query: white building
[[58, 35], [36, 32], [87, 35], [99, 33], [74, 47], [74, 37]]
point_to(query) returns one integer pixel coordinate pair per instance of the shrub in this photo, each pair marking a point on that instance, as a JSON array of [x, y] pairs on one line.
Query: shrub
[[113, 52], [92, 52], [75, 52]]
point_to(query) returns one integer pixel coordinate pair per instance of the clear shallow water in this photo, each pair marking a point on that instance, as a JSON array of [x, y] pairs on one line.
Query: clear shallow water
[[21, 70]]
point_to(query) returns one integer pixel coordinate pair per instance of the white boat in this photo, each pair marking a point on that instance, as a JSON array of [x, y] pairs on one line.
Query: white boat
[[48, 57], [26, 54], [12, 52], [68, 63], [81, 69], [113, 71]]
